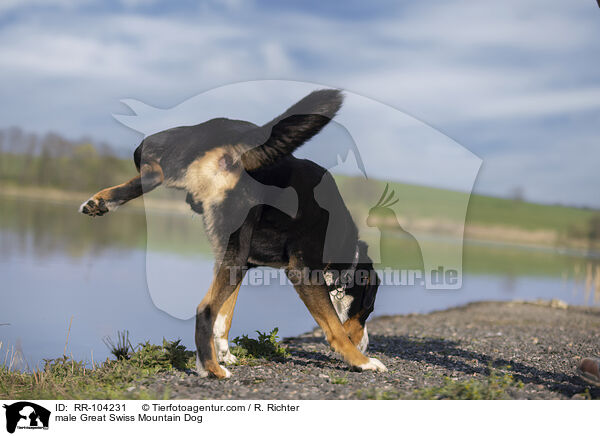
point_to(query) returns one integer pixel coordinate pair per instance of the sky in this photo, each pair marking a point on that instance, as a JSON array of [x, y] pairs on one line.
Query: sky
[[515, 82]]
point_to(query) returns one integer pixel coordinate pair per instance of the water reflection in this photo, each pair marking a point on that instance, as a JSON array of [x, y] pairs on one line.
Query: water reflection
[[56, 265]]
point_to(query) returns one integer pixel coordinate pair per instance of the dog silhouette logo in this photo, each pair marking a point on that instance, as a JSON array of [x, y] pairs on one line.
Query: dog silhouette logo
[[26, 415]]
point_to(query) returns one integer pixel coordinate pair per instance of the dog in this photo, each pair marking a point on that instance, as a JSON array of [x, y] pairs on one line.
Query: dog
[[262, 206]]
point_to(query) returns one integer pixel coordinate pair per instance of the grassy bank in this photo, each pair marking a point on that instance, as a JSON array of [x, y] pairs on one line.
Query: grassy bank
[[129, 374], [123, 376], [66, 378], [487, 350]]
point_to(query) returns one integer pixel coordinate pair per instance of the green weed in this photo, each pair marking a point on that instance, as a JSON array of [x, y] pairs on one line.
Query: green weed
[[377, 394], [266, 346], [122, 348], [494, 387], [333, 379]]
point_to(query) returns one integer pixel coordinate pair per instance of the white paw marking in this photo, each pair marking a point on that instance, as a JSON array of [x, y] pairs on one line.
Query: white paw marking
[[227, 372], [373, 365], [364, 341], [80, 210], [200, 368]]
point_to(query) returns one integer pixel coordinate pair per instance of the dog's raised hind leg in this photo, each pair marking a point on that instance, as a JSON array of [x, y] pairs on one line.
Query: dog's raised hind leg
[[108, 199]]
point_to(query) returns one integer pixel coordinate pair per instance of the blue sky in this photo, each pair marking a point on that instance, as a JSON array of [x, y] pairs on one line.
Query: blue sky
[[516, 82]]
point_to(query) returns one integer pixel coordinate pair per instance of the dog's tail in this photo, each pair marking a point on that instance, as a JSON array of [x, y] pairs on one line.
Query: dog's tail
[[281, 136]]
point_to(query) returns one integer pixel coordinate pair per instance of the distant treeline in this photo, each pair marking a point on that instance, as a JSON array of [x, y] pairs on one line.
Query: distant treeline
[[52, 161], [28, 159]]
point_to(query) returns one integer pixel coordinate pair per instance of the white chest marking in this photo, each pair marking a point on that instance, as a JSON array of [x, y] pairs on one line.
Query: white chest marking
[[342, 306]]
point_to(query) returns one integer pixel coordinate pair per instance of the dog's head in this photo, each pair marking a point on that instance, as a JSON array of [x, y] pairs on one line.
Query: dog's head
[[208, 159], [359, 299]]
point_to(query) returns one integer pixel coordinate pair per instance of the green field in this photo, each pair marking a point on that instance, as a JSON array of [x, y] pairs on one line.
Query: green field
[[482, 210], [83, 168]]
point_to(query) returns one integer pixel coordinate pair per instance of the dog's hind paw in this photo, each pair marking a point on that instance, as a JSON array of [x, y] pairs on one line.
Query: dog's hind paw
[[95, 207], [373, 365]]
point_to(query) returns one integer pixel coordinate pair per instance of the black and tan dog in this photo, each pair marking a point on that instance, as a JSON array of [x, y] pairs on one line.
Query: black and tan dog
[[259, 208]]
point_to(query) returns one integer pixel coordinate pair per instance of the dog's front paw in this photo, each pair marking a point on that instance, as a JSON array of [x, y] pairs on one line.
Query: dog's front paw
[[225, 374], [219, 371], [95, 207], [200, 368], [372, 365]]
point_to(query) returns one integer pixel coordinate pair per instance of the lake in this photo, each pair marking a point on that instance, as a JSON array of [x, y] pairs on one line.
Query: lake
[[62, 269]]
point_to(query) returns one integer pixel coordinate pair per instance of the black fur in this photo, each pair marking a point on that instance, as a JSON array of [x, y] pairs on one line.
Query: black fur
[[257, 146], [175, 149], [281, 136]]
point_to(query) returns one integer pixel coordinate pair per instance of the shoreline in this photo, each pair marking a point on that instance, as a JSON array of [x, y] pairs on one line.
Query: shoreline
[[483, 350], [473, 233], [508, 350]]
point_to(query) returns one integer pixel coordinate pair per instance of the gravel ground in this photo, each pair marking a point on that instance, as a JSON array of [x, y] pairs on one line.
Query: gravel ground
[[540, 342]]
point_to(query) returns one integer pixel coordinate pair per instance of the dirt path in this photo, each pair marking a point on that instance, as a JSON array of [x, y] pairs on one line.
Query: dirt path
[[442, 354]]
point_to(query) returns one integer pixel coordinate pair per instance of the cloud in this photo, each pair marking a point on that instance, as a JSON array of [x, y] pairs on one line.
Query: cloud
[[15, 5], [478, 71]]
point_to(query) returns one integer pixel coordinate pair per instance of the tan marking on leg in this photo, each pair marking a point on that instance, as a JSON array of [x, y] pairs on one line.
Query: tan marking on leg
[[357, 333], [108, 199], [316, 299], [207, 179], [354, 329]]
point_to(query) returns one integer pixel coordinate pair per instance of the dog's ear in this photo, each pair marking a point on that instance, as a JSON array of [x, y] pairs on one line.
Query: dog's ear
[[291, 129]]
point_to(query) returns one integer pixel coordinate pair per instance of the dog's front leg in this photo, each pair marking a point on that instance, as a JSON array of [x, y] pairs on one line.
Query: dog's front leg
[[225, 284]]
